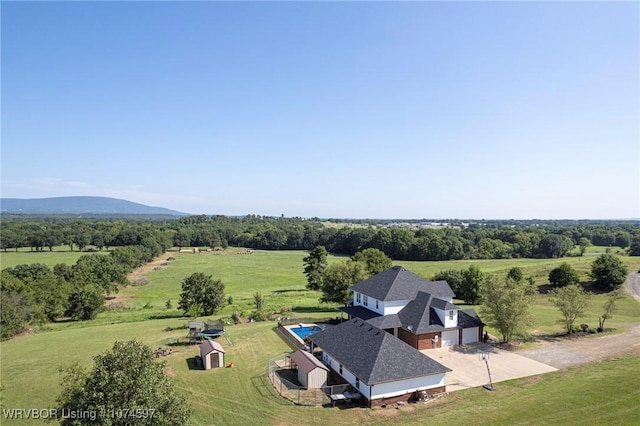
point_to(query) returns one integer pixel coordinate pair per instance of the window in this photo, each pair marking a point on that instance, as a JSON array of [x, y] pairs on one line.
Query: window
[[358, 297], [357, 383], [366, 300], [377, 304], [451, 315], [341, 369]]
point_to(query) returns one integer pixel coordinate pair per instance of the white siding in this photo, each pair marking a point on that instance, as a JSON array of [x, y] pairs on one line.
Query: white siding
[[388, 308], [470, 335], [346, 374], [444, 317], [387, 390], [449, 338]]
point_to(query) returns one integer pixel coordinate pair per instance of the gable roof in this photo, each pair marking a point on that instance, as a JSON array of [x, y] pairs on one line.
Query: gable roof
[[307, 362], [398, 283], [373, 355], [209, 346], [468, 318], [419, 317]]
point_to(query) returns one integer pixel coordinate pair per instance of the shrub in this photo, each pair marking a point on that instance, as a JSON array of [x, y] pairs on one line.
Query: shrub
[[230, 300], [584, 328], [236, 317]]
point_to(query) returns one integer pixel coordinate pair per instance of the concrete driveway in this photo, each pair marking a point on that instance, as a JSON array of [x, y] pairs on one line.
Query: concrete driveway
[[469, 370]]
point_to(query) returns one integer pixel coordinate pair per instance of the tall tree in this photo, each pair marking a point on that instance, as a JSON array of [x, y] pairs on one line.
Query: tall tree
[[471, 286], [608, 272], [338, 279], [125, 378], [314, 265], [572, 301], [373, 260], [506, 306], [202, 291], [563, 276]]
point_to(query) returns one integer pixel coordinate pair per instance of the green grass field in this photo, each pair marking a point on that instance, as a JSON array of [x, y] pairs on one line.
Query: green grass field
[[243, 395]]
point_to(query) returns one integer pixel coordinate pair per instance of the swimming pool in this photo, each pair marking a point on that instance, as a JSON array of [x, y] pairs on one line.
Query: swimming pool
[[305, 331]]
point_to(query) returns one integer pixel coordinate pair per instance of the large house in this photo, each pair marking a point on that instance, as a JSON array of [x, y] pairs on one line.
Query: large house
[[417, 311], [381, 367], [393, 316]]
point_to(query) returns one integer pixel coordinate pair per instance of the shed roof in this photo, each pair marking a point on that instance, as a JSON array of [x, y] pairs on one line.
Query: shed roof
[[373, 355], [307, 362], [398, 283], [209, 346]]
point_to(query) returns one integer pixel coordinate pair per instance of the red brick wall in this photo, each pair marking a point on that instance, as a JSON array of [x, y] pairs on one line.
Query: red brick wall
[[420, 341]]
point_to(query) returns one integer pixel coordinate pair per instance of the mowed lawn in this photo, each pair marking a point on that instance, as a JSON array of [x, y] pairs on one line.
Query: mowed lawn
[[603, 393]]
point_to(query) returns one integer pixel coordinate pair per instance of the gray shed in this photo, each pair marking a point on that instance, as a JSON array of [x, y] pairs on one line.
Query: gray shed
[[311, 372], [212, 354]]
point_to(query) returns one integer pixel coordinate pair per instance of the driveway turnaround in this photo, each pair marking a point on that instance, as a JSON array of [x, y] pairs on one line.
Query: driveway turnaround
[[470, 370]]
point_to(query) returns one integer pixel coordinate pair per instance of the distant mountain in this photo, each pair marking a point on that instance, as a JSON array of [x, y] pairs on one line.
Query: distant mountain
[[81, 205]]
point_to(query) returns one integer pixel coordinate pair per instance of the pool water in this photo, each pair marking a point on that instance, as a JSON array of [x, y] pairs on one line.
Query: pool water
[[305, 331]]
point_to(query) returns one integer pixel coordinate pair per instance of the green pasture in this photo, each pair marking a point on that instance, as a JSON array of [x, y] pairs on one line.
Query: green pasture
[[61, 254], [604, 392]]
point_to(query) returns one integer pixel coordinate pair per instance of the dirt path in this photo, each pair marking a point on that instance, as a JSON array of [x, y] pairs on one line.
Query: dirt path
[[561, 352], [142, 271], [633, 285]]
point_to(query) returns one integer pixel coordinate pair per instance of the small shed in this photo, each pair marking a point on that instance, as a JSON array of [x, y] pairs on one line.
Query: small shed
[[311, 372], [212, 354]]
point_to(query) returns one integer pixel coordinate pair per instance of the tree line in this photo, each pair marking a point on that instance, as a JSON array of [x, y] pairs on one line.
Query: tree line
[[494, 241], [36, 294]]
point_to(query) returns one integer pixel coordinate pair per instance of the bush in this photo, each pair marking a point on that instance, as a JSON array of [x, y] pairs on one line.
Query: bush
[[584, 328], [236, 317], [141, 281]]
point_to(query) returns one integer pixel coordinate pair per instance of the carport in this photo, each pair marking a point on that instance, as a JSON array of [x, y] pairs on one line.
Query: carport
[[470, 371]]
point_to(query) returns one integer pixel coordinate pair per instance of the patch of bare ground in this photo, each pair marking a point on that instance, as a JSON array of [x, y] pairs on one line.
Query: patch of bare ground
[[566, 351], [169, 371], [142, 271]]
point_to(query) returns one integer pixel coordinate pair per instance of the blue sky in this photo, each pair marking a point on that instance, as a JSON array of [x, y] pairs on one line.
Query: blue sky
[[329, 109]]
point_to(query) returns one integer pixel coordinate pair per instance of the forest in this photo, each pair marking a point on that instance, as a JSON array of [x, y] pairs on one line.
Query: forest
[[476, 240]]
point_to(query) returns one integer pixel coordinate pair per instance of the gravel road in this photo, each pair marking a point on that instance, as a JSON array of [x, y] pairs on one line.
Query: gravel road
[[561, 352]]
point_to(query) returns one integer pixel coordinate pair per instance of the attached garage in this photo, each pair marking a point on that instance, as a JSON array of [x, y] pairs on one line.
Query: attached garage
[[212, 354], [312, 374], [449, 338], [470, 335]]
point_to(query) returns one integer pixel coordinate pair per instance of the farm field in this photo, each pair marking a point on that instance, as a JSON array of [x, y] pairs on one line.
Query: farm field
[[243, 395]]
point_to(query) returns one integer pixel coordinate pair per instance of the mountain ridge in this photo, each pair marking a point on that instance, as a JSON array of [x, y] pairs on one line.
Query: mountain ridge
[[81, 205]]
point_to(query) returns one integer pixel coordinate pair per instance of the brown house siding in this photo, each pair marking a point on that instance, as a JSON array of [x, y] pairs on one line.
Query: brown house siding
[[420, 341]]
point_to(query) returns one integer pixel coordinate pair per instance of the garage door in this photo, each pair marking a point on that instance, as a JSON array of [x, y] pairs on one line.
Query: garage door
[[469, 335], [449, 338]]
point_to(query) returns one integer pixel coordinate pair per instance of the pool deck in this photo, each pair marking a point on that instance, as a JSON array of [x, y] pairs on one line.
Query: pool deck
[[294, 335]]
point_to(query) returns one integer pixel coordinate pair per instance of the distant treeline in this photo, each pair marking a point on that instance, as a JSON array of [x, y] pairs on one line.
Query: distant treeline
[[475, 240]]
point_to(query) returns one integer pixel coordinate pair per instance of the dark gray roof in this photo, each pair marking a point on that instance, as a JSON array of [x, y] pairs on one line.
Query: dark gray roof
[[359, 312], [398, 283], [468, 318], [419, 317], [374, 355], [385, 322]]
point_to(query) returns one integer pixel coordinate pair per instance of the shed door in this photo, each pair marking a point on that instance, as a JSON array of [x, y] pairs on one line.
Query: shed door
[[215, 360], [470, 335], [449, 338]]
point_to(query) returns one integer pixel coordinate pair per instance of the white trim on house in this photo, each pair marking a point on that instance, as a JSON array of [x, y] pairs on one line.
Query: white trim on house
[[389, 389]]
